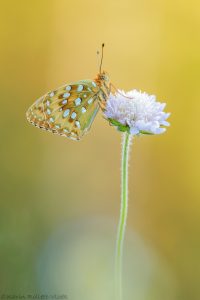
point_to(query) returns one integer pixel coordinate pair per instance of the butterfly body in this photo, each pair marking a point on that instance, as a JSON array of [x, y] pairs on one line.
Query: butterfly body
[[70, 110]]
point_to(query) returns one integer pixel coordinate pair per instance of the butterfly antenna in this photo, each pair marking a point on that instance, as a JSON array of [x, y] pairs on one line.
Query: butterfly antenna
[[102, 46]]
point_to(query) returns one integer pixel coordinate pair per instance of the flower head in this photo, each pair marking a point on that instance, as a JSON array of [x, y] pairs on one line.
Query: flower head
[[136, 112]]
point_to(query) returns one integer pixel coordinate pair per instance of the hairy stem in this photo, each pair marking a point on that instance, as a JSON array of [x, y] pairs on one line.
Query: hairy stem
[[123, 214]]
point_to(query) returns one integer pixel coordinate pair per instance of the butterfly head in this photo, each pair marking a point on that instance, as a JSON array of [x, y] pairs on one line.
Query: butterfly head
[[103, 80], [102, 77]]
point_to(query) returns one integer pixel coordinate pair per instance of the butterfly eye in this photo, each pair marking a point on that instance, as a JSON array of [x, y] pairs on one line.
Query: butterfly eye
[[104, 77]]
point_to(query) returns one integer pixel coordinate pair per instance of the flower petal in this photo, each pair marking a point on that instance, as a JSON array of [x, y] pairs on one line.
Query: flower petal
[[138, 110]]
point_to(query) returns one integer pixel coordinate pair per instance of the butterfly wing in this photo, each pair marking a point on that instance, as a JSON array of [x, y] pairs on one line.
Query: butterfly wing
[[68, 111]]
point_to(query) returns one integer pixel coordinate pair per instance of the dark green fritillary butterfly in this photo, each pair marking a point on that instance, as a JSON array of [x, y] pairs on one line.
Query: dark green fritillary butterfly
[[70, 110]]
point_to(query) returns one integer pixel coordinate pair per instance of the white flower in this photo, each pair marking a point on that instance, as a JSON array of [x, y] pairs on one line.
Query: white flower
[[136, 112]]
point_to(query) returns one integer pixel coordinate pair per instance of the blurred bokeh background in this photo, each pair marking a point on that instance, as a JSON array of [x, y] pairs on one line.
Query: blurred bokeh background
[[59, 198]]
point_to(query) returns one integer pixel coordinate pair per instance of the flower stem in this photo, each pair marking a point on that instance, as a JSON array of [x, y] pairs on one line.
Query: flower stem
[[123, 214]]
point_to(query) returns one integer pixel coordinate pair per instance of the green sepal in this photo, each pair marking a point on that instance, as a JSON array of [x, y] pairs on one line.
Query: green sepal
[[120, 127], [124, 128], [146, 132]]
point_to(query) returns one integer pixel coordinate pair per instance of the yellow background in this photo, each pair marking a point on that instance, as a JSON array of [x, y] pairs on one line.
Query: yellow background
[[50, 183]]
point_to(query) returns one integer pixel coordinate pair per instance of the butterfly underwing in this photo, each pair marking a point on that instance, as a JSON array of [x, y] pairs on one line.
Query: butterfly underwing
[[70, 110]]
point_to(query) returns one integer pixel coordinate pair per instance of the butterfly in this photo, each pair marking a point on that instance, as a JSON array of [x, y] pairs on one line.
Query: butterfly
[[70, 110]]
